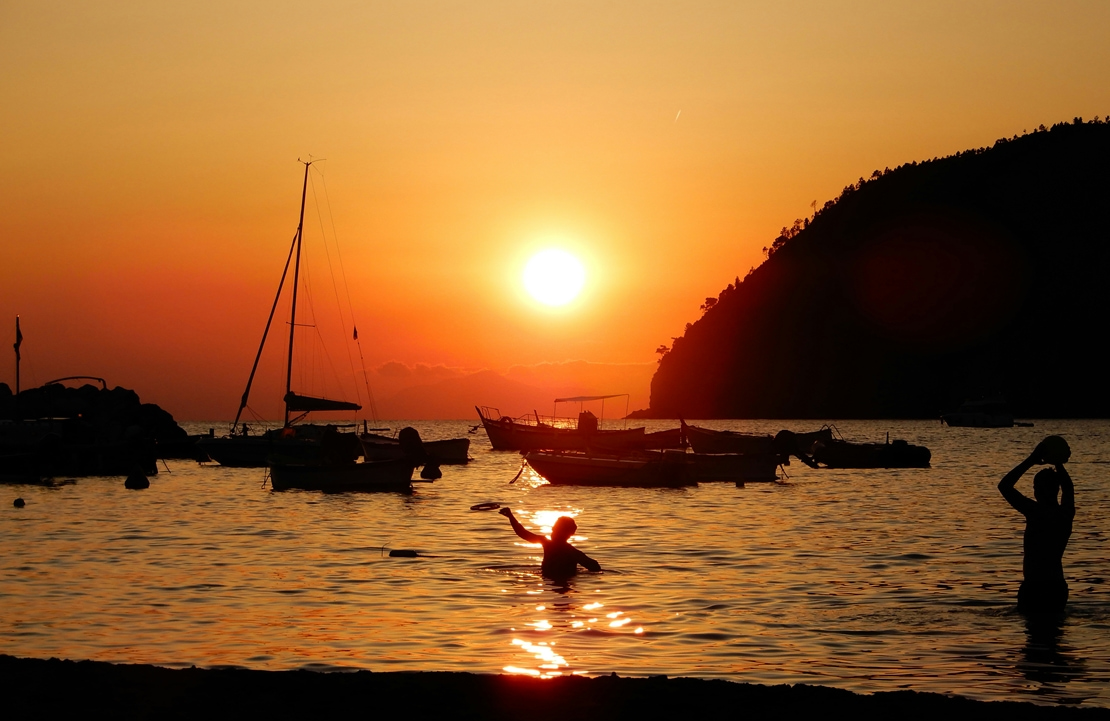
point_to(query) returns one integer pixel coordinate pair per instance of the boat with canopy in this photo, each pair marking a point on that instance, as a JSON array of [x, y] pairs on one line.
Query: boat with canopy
[[533, 432]]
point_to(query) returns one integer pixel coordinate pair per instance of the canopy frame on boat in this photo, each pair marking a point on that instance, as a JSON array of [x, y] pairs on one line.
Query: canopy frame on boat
[[586, 399]]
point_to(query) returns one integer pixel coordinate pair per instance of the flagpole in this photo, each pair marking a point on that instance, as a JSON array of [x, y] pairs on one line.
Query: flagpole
[[18, 342]]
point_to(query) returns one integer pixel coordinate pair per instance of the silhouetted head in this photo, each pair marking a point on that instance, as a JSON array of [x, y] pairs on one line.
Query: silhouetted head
[[1046, 485], [563, 529]]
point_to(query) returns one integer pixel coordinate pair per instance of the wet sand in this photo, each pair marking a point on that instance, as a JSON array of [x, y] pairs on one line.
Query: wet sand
[[53, 689]]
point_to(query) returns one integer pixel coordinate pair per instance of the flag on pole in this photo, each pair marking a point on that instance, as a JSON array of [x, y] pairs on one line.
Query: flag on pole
[[18, 338]]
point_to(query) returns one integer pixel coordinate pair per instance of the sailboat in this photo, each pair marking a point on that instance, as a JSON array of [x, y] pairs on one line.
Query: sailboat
[[305, 443]]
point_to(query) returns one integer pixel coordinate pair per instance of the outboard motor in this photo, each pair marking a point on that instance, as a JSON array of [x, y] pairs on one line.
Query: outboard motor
[[786, 444], [411, 445], [414, 451]]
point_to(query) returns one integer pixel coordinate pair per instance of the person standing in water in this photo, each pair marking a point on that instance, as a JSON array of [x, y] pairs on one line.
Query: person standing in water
[[1047, 526], [560, 559]]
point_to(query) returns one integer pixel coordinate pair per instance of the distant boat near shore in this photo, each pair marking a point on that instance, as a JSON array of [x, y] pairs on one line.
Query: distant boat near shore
[[982, 413]]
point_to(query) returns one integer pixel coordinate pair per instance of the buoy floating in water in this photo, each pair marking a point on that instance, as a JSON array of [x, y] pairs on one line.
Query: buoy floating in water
[[490, 506], [137, 481], [403, 553], [19, 503]]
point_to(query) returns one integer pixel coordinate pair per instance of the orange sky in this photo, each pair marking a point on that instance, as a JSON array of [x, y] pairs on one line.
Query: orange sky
[[150, 183]]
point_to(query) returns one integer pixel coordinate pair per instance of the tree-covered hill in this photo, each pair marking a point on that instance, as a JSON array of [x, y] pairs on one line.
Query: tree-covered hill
[[983, 273]]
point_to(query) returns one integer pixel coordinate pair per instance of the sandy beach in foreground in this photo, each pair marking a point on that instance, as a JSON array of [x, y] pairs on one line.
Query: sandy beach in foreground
[[35, 688]]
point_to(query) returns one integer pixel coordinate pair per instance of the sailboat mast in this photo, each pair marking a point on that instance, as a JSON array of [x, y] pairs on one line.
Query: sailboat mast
[[296, 283]]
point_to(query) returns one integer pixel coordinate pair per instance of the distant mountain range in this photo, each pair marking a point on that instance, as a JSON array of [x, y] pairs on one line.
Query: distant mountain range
[[451, 393], [980, 274]]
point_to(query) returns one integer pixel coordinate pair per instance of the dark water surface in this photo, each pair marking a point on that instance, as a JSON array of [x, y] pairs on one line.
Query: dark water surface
[[867, 580]]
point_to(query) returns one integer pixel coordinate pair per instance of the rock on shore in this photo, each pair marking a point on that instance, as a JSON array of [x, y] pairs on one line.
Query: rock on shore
[[55, 689]]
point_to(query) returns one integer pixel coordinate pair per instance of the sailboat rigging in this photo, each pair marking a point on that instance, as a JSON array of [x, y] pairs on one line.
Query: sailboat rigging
[[241, 449]]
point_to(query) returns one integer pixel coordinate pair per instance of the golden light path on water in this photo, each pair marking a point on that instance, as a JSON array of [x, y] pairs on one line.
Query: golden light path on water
[[867, 580]]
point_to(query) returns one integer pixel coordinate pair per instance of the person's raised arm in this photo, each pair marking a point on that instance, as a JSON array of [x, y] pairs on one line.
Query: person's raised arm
[[1006, 485], [521, 530], [1067, 490]]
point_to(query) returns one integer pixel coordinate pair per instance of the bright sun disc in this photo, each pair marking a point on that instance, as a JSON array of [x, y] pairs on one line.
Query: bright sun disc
[[554, 277]]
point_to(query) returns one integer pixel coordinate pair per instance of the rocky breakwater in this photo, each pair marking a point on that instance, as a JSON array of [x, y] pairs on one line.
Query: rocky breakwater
[[54, 430]]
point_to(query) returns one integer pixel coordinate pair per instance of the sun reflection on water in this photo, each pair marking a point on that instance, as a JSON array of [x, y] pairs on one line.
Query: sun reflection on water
[[563, 620]]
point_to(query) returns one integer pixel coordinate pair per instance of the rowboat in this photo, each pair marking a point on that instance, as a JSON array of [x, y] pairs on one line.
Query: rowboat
[[663, 469], [449, 451], [706, 440], [394, 475]]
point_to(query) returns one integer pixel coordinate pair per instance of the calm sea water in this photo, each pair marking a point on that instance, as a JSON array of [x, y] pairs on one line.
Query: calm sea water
[[868, 580]]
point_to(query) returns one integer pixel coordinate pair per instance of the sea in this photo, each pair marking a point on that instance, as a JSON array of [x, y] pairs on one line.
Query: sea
[[866, 580]]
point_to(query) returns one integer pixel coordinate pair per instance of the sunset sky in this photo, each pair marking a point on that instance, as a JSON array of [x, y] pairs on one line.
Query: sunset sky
[[151, 185]]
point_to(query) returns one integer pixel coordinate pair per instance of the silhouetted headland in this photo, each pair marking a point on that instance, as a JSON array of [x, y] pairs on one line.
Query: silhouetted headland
[[53, 689], [918, 288]]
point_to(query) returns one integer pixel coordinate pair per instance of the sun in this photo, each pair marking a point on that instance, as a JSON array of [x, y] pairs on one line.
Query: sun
[[554, 277]]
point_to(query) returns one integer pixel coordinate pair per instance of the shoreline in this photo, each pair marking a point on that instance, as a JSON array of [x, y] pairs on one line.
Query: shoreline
[[50, 688]]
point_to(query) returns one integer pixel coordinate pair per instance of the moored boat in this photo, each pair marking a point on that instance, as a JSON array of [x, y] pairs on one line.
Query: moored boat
[[448, 451], [707, 440], [299, 443], [661, 469], [837, 453], [393, 475], [533, 433], [982, 413], [304, 443]]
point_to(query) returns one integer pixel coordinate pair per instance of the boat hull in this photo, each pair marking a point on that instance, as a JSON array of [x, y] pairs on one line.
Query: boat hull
[[705, 440], [978, 420], [506, 434], [310, 445], [899, 454], [450, 451], [395, 475], [574, 469]]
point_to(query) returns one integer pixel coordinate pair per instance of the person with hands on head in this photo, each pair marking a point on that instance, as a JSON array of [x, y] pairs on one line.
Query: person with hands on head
[[560, 559], [1047, 525]]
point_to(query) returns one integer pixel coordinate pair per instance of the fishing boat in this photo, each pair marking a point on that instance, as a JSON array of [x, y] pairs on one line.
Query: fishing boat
[[838, 453], [533, 432], [669, 468], [982, 413], [299, 443], [448, 451]]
